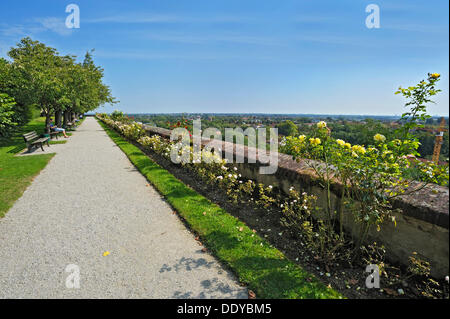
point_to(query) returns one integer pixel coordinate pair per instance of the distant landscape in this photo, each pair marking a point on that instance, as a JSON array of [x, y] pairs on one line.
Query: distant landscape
[[357, 129]]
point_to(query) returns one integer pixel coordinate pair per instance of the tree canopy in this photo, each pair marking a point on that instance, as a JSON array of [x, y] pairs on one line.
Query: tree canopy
[[288, 128], [37, 76]]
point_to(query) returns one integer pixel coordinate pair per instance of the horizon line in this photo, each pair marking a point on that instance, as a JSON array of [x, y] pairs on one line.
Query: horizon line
[[256, 113]]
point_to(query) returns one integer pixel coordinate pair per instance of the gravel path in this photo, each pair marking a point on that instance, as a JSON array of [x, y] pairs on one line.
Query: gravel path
[[88, 200]]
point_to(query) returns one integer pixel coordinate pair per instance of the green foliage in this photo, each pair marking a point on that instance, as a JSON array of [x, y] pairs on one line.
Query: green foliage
[[6, 114], [39, 77], [117, 115], [288, 128], [94, 91], [11, 83], [418, 97], [370, 177], [38, 68], [427, 171]]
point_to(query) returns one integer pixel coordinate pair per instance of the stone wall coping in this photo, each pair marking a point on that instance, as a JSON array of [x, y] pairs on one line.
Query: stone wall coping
[[430, 204]]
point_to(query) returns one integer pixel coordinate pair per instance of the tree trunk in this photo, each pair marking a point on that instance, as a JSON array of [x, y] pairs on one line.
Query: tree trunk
[[65, 118], [47, 122], [58, 118]]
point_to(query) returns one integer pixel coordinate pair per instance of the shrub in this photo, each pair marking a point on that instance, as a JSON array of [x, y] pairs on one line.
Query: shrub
[[117, 115]]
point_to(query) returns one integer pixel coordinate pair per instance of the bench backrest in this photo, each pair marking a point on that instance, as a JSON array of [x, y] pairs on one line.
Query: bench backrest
[[28, 137]]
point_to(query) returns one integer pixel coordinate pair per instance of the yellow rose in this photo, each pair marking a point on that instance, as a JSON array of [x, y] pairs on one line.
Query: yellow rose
[[340, 142], [301, 138], [321, 124], [348, 145], [435, 75], [379, 138], [358, 149]]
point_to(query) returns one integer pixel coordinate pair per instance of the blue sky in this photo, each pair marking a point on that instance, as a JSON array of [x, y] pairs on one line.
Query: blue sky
[[236, 56]]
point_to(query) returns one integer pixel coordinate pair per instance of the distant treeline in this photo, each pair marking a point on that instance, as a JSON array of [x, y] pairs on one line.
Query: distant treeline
[[277, 117]]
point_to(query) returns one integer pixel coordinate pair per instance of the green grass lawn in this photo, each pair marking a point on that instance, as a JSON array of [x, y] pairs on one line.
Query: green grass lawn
[[16, 173], [263, 268]]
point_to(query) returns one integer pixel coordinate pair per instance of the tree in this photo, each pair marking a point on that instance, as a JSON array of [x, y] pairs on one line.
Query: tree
[[40, 66], [11, 83], [288, 128], [96, 92], [38, 75], [429, 121], [6, 114], [418, 97], [86, 91]]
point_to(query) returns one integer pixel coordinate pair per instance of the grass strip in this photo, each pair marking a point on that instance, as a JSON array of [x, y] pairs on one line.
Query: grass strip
[[58, 142], [263, 268], [16, 173]]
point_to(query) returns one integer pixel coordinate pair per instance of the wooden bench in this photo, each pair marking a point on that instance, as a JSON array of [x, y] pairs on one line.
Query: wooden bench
[[70, 125], [33, 140], [55, 134]]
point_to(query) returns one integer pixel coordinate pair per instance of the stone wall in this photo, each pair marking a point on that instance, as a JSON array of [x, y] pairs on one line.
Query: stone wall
[[422, 226]]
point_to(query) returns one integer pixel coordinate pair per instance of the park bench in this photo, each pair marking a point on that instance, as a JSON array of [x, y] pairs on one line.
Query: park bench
[[55, 134], [33, 140]]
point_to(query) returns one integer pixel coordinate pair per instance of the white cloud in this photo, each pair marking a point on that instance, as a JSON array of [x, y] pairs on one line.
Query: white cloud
[[148, 18], [54, 24], [12, 31], [38, 25]]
